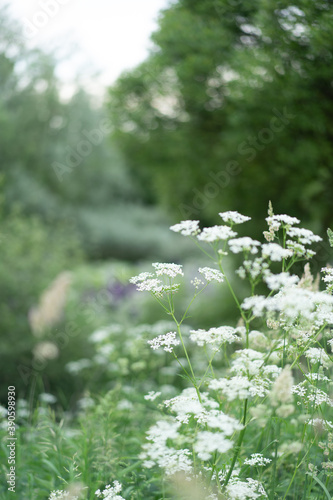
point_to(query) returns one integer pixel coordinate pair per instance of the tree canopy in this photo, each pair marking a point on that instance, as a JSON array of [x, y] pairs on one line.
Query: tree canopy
[[233, 108]]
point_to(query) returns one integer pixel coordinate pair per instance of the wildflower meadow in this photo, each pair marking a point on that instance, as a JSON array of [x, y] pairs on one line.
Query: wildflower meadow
[[166, 250], [235, 411]]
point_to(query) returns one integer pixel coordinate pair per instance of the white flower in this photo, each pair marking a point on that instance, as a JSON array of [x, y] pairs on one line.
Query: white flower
[[245, 244], [253, 268], [216, 419], [299, 249], [241, 490], [151, 396], [124, 404], [141, 277], [318, 355], [294, 302], [321, 423], [328, 278], [247, 362], [282, 388], [207, 442], [150, 285], [277, 220], [239, 387], [216, 233], [47, 398], [304, 236], [60, 494], [277, 281], [214, 336], [173, 461], [257, 303], [234, 217], [156, 451], [187, 404], [258, 339], [197, 283], [311, 394], [275, 252], [211, 274], [186, 227], [167, 341], [170, 270], [110, 492], [257, 459], [163, 430]]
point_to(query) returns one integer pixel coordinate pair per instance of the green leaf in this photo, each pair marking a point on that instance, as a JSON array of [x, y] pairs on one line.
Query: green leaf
[[318, 480], [330, 236]]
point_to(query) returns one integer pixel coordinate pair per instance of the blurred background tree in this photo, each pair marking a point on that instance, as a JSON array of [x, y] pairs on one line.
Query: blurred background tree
[[59, 162], [66, 194], [248, 82]]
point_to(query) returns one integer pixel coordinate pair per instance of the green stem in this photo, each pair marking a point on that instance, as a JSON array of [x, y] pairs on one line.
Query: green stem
[[276, 437], [238, 446], [187, 357], [188, 307], [308, 344]]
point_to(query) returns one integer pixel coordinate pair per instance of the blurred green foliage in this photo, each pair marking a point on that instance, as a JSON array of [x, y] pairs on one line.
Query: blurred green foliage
[[32, 254], [233, 108]]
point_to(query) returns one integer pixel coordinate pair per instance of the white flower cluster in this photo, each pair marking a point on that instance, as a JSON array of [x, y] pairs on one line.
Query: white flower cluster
[[248, 362], [170, 270], [211, 274], [301, 236], [241, 490], [275, 252], [321, 423], [278, 281], [152, 395], [187, 405], [245, 244], [110, 492], [233, 217], [157, 452], [304, 236], [216, 233], [299, 250], [292, 303], [328, 277], [276, 221], [208, 442], [60, 494], [293, 311], [253, 377], [186, 227], [311, 394], [253, 269], [257, 460], [214, 336], [168, 341], [318, 355], [148, 282], [239, 387]]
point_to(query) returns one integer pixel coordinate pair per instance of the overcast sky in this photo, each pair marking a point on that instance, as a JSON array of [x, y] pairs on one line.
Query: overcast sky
[[110, 35]]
